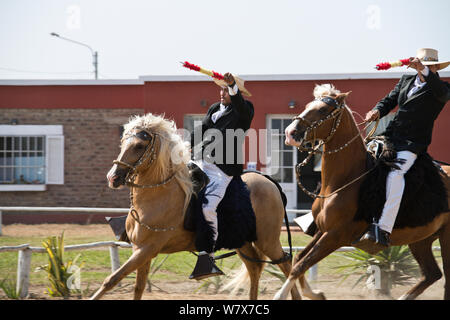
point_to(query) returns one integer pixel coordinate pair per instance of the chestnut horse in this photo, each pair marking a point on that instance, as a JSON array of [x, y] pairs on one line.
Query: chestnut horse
[[153, 162], [329, 120]]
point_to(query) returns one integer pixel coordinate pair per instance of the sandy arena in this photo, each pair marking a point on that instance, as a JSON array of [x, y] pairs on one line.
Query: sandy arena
[[186, 290]]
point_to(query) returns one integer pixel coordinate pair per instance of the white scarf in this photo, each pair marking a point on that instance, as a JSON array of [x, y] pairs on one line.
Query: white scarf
[[216, 115], [417, 86]]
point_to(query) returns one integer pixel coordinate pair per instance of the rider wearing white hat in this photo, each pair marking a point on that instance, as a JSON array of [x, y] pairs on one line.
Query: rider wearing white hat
[[420, 98]]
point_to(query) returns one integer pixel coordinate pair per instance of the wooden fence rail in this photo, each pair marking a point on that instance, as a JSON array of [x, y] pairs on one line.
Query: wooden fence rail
[[25, 251]]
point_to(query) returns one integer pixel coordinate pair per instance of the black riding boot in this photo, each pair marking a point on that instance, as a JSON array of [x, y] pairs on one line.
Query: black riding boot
[[205, 267], [374, 235]]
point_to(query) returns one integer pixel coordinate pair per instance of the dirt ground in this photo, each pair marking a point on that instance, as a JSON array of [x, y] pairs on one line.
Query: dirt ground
[[186, 290], [167, 290]]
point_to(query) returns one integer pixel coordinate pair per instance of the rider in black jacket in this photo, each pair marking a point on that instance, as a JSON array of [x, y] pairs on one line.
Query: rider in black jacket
[[217, 149], [420, 98]]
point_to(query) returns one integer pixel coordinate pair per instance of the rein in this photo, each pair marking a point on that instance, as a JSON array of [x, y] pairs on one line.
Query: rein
[[150, 154], [336, 115]]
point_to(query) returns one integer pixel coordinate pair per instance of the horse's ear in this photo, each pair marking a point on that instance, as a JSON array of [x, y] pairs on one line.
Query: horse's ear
[[342, 96]]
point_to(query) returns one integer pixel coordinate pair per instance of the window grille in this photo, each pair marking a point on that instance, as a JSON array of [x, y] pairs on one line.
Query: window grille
[[22, 159]]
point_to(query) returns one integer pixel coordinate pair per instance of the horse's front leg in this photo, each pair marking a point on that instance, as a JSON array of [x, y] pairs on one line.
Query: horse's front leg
[[327, 243], [139, 257], [141, 280]]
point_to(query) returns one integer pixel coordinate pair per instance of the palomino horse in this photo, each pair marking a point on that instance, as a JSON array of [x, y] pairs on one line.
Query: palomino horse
[[329, 120], [154, 156]]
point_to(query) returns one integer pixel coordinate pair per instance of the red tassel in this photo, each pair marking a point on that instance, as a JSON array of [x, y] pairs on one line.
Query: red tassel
[[387, 65], [191, 66], [217, 75], [197, 68], [404, 62], [383, 66]]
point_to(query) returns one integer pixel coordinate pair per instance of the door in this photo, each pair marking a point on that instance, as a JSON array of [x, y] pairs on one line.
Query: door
[[281, 159]]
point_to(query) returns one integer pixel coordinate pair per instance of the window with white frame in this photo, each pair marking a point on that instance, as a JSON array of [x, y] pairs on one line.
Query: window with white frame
[[31, 156]]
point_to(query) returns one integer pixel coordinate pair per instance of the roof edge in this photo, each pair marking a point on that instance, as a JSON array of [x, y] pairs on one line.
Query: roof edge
[[287, 77], [58, 82], [201, 78]]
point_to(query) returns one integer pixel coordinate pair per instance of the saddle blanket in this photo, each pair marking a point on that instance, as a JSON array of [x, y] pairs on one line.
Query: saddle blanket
[[235, 216], [424, 197]]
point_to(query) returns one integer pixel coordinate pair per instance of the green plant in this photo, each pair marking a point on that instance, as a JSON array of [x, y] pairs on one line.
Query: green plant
[[396, 264], [58, 273], [275, 271], [9, 288]]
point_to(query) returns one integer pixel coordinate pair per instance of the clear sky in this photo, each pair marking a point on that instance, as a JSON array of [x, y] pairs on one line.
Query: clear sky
[[147, 37]]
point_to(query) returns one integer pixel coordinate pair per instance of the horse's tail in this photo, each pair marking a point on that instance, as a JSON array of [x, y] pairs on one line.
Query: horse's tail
[[242, 278], [239, 281]]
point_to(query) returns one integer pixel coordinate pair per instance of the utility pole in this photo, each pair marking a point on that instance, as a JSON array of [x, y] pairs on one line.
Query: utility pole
[[94, 53]]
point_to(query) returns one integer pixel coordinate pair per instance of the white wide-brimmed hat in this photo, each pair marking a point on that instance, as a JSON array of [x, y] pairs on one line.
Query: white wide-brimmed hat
[[429, 57], [240, 83]]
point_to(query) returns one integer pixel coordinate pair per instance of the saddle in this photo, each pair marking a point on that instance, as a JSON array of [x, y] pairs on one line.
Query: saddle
[[424, 196], [236, 218]]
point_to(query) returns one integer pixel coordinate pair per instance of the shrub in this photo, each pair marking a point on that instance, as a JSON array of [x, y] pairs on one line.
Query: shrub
[[59, 273]]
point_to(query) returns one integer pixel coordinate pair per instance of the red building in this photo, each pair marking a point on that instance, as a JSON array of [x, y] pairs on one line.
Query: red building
[[58, 137]]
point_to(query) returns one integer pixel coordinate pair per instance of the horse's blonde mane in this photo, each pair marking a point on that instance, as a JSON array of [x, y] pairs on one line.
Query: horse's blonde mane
[[327, 89], [173, 153]]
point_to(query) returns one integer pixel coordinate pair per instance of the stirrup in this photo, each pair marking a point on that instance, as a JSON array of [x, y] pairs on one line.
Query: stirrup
[[205, 268], [373, 240]]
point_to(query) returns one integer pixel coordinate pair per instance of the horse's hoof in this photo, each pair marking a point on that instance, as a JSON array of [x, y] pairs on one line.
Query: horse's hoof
[[404, 297], [320, 295], [279, 295]]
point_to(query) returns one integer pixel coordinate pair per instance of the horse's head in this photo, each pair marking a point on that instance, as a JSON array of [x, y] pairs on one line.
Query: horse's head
[[320, 118], [137, 149], [150, 147]]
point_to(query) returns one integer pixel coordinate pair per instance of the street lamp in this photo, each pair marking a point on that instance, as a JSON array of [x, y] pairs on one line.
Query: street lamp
[[94, 53]]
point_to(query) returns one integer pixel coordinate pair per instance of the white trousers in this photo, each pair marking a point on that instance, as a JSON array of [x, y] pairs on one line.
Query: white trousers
[[395, 184], [214, 192]]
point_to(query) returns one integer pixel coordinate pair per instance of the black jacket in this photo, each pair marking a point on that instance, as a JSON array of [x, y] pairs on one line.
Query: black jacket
[[412, 127], [238, 115]]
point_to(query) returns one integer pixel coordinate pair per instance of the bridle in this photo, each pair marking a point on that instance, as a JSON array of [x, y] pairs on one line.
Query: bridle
[[150, 155], [336, 116]]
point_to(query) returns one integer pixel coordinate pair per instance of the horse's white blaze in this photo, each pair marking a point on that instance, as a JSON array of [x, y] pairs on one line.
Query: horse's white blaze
[[288, 133], [285, 289], [110, 175]]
